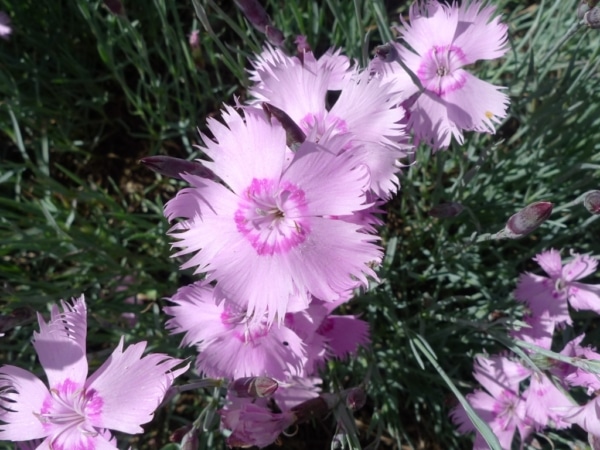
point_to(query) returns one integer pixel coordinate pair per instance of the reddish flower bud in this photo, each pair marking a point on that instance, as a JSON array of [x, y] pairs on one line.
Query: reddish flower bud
[[386, 52], [255, 13], [179, 433], [253, 387], [356, 398], [174, 167], [293, 132], [528, 219], [446, 210], [274, 35], [302, 45], [591, 201]]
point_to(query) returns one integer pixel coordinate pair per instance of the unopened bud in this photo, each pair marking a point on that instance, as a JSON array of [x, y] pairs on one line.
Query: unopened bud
[[582, 9], [302, 45], [293, 132], [274, 35], [356, 398], [253, 387], [528, 219], [386, 52], [174, 167], [179, 433], [446, 210], [591, 201], [255, 13], [592, 18]]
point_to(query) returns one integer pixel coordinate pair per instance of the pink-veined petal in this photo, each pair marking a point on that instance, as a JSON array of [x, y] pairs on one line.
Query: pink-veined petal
[[131, 387], [60, 344], [22, 396]]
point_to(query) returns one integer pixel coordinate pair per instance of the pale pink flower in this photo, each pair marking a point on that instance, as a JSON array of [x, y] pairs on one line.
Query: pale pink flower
[[297, 390], [266, 66], [443, 40], [500, 405], [545, 403], [577, 376], [229, 344], [267, 236], [586, 416], [539, 331], [250, 422], [365, 110], [76, 411], [551, 295]]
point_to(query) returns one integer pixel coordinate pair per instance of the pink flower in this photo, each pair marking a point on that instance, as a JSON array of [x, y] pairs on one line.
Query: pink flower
[[250, 422], [443, 39], [269, 236], [501, 406], [586, 416], [577, 376], [76, 411], [229, 344], [365, 110], [5, 28], [545, 403], [551, 295], [539, 331]]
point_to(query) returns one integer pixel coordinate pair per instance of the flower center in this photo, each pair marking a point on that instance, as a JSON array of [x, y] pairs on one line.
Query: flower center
[[439, 70], [272, 216], [316, 125], [68, 406]]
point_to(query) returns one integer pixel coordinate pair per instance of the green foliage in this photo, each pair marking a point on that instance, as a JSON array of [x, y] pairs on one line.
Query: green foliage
[[85, 94]]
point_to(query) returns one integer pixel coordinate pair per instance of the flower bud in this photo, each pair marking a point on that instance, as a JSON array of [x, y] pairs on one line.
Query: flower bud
[[528, 219], [293, 132], [174, 167], [302, 45], [274, 35], [386, 52], [253, 387], [446, 210], [255, 13], [592, 18], [582, 9], [356, 398], [591, 201]]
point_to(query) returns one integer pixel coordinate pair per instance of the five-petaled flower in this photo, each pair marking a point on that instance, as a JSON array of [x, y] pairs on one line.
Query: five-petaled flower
[[76, 412]]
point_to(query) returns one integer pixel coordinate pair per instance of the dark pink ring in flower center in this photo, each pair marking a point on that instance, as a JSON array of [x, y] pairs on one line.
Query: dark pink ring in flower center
[[273, 216], [439, 70]]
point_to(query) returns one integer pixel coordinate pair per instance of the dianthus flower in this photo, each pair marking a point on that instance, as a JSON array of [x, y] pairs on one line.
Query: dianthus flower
[[229, 344], [365, 109], [274, 231], [550, 296], [250, 422], [77, 411], [500, 404], [442, 40]]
